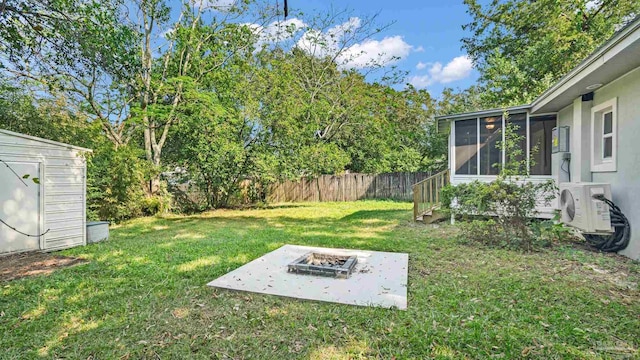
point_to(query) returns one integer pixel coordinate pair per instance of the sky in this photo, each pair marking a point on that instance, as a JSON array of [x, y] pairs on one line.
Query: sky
[[422, 37], [425, 34]]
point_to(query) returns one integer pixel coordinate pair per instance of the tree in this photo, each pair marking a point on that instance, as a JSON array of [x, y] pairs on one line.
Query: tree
[[351, 125], [521, 47], [224, 101], [218, 141], [77, 48], [193, 49], [317, 92], [460, 101], [125, 63], [114, 174]]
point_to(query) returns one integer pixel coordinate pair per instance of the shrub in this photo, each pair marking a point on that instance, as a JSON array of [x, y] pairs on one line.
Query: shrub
[[158, 203], [512, 205], [116, 179]]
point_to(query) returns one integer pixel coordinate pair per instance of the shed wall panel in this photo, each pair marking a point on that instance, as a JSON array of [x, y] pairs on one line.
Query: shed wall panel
[[62, 187]]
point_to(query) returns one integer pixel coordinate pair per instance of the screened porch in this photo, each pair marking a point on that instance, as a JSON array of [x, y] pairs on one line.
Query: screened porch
[[475, 141]]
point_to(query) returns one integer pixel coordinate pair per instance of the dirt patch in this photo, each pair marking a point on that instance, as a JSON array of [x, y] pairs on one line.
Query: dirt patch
[[17, 266]]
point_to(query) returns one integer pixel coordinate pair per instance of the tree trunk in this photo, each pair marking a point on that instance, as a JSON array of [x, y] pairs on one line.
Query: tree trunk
[[148, 18], [154, 183]]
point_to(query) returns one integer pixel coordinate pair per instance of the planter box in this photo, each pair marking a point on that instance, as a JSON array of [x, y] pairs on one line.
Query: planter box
[[97, 231]]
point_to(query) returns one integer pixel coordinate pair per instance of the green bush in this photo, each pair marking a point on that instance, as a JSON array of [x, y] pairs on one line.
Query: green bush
[[116, 179], [159, 203], [512, 205]]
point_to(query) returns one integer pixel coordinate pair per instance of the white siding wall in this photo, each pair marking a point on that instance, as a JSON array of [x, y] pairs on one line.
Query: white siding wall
[[62, 187], [625, 181]]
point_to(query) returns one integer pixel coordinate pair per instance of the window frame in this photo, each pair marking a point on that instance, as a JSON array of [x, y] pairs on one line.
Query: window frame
[[600, 163], [606, 135], [452, 148], [529, 136]]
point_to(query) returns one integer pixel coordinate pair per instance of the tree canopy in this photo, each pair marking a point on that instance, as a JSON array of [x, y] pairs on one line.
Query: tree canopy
[[521, 47], [218, 98], [224, 96]]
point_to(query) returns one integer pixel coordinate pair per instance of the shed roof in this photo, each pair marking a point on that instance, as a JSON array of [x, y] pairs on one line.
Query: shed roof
[[46, 141]]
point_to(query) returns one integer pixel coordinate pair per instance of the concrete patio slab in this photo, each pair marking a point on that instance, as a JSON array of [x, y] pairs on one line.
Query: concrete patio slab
[[379, 278]]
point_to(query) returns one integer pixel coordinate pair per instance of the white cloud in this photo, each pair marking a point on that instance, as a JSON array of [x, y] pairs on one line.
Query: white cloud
[[419, 49], [457, 69], [276, 31], [373, 52], [335, 42], [420, 82], [282, 30], [420, 65], [321, 44]]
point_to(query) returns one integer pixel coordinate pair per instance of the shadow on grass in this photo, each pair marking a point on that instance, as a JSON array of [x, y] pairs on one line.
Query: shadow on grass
[[143, 294], [153, 263], [288, 206], [384, 215]]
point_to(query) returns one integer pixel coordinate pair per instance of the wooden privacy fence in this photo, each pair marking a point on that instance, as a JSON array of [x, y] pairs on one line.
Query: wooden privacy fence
[[347, 187]]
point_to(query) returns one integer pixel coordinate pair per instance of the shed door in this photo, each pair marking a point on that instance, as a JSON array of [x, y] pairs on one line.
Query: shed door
[[19, 206]]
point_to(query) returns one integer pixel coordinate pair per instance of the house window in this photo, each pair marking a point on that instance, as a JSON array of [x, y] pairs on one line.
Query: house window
[[607, 135], [540, 132], [603, 136], [466, 147]]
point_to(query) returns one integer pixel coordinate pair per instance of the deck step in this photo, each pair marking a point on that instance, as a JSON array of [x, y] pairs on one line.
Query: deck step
[[431, 216]]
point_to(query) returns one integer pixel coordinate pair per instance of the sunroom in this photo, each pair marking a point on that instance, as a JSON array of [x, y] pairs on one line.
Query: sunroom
[[475, 139]]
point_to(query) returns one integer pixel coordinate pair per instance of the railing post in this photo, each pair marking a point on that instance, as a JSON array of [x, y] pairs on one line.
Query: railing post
[[415, 202], [431, 197], [426, 193]]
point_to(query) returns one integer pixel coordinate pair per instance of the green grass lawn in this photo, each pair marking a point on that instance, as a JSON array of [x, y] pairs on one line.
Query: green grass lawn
[[143, 294]]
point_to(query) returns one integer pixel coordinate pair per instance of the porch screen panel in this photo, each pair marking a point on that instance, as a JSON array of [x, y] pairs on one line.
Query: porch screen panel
[[466, 147], [519, 123], [540, 132], [490, 138]]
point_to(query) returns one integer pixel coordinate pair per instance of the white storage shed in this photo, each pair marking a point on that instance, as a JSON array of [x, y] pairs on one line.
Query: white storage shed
[[42, 194]]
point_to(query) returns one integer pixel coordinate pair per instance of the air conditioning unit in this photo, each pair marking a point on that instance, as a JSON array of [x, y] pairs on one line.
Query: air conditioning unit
[[582, 210]]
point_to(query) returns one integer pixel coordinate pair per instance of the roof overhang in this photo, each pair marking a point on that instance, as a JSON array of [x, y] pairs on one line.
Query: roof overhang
[[618, 56], [483, 113]]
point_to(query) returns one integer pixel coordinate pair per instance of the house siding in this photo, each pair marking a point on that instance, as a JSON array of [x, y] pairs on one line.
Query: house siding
[[625, 182], [62, 188], [625, 185], [565, 118]]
